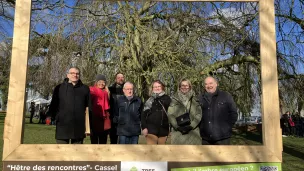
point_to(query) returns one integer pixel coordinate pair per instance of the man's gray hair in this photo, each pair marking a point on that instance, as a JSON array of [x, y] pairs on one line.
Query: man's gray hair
[[215, 79], [128, 82], [67, 72]]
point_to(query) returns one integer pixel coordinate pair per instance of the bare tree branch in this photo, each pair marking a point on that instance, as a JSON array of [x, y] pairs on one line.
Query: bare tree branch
[[229, 62]]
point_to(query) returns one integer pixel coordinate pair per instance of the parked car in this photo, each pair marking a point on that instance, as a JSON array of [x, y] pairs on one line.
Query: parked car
[[249, 121], [240, 122]]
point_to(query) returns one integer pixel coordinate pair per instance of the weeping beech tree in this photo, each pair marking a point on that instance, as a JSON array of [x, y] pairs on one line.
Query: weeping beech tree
[[163, 40], [166, 40]]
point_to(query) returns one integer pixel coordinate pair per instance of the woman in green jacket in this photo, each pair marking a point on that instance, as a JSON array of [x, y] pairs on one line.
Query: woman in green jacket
[[185, 114]]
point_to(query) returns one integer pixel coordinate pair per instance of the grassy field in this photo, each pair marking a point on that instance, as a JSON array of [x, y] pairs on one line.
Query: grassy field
[[293, 155]]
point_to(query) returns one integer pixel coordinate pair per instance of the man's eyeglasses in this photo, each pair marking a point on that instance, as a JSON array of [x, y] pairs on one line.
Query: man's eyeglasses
[[74, 73]]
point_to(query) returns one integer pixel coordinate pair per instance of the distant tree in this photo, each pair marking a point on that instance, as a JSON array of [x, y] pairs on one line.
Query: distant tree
[[5, 53]]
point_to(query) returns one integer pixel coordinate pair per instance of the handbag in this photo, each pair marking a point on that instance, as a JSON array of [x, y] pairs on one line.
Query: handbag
[[184, 119], [107, 122]]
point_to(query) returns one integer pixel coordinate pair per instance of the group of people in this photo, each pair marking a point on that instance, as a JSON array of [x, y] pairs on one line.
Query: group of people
[[292, 125], [204, 119], [41, 111]]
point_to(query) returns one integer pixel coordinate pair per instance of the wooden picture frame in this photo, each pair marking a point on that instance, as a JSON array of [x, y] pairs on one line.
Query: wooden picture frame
[[270, 151]]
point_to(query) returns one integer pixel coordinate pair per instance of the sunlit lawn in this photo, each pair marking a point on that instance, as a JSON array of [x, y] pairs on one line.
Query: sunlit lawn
[[293, 155]]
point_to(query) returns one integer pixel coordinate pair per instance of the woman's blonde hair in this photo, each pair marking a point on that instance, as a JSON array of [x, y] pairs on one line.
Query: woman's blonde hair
[[183, 80]]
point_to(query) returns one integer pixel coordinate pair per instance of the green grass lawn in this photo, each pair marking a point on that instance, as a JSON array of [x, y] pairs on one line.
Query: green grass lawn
[[293, 155]]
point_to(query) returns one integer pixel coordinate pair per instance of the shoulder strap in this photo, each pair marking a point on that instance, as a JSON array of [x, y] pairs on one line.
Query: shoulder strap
[[190, 100], [163, 107], [190, 104], [166, 114]]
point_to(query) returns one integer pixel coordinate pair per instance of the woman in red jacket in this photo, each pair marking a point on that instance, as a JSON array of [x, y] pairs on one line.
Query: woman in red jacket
[[100, 111]]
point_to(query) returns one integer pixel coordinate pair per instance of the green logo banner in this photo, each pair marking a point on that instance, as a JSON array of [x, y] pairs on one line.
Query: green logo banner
[[236, 167]]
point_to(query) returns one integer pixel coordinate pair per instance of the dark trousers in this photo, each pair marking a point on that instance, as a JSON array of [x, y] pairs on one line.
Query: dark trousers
[[285, 130], [292, 130], [67, 141], [113, 133], [31, 117], [42, 119], [218, 142], [298, 130], [128, 139], [100, 138]]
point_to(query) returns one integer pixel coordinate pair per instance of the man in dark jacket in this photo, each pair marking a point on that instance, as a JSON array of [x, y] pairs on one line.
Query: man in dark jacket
[[130, 106], [32, 110], [115, 92], [219, 114], [68, 106]]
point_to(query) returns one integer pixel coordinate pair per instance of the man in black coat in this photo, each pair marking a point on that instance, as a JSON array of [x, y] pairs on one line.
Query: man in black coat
[[115, 92], [68, 106], [219, 114], [129, 116]]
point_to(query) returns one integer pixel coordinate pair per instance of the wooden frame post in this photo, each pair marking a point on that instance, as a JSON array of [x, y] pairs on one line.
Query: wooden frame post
[[272, 135], [14, 120], [270, 151]]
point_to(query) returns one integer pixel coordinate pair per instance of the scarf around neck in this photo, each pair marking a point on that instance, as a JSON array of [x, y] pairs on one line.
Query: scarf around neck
[[148, 104], [185, 97]]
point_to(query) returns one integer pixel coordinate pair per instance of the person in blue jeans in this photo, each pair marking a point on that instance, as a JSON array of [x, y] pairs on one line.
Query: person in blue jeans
[[129, 116]]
